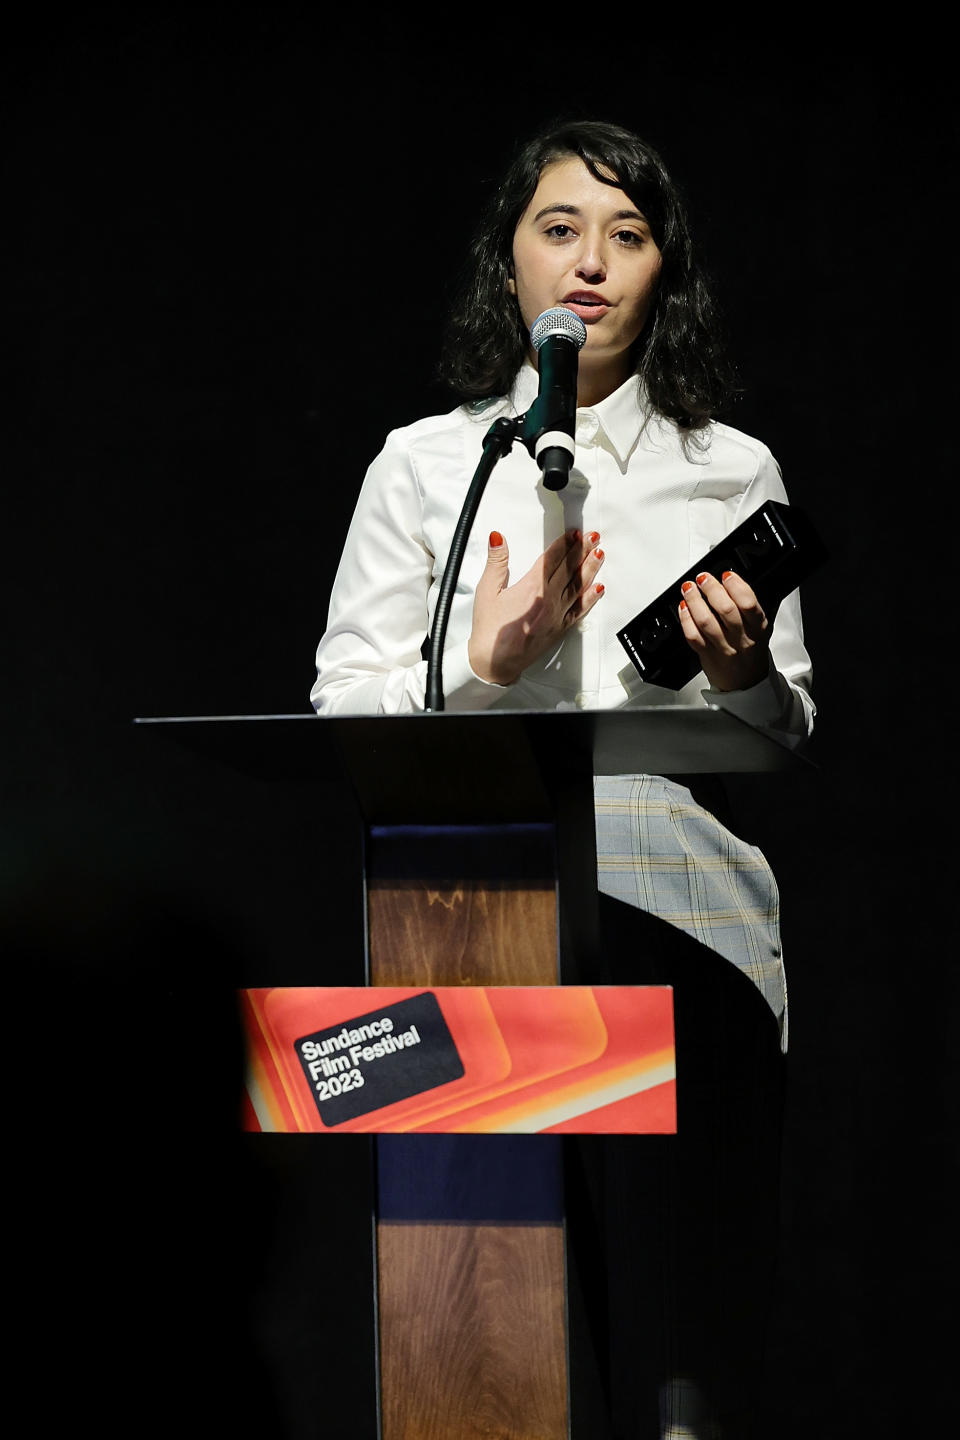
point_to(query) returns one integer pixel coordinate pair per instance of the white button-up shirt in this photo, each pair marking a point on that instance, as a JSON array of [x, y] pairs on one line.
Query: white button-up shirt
[[659, 501]]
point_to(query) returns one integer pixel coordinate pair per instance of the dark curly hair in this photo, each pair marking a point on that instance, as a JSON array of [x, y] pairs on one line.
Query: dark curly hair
[[678, 357]]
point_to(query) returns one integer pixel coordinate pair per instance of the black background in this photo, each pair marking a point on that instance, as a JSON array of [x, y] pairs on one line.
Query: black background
[[230, 243]]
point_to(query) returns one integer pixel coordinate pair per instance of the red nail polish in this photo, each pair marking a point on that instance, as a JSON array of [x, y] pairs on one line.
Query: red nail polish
[[594, 537], [686, 587], [726, 574], [599, 554], [599, 589], [701, 578], [683, 604], [495, 538]]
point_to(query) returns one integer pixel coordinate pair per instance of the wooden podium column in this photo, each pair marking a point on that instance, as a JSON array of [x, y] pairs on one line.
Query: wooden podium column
[[471, 1315]]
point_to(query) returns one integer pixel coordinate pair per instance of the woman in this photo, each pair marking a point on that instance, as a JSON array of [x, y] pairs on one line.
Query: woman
[[588, 218]]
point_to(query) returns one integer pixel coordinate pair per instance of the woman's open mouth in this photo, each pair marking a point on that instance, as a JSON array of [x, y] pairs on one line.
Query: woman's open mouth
[[587, 304]]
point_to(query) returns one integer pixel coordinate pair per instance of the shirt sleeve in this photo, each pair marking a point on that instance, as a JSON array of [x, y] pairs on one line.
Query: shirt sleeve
[[782, 701], [369, 659]]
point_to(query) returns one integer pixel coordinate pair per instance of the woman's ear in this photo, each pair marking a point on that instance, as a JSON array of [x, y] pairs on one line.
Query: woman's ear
[[511, 281]]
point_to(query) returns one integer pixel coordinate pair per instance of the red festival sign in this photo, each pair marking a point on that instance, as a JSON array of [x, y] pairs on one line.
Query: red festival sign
[[564, 1059]]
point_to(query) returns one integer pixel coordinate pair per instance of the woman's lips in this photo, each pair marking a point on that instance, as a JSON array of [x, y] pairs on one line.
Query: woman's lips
[[586, 307]]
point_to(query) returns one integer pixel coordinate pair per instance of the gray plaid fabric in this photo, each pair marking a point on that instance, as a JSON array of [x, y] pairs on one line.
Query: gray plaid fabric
[[661, 852]]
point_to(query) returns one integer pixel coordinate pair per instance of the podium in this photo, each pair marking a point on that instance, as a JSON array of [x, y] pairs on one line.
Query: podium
[[487, 1305]]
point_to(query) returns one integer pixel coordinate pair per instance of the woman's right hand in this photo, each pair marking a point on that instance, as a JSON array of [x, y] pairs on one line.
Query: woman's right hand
[[514, 624]]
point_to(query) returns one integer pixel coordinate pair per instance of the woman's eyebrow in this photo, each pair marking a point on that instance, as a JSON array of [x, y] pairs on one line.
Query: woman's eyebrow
[[575, 210]]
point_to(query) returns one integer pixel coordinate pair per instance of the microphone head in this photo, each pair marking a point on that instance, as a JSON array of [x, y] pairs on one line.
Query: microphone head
[[558, 321]]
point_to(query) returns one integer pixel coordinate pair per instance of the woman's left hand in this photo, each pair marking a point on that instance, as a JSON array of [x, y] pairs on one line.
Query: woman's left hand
[[725, 626]]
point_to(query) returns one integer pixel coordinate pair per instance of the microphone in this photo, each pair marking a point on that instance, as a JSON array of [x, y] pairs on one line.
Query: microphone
[[549, 425]]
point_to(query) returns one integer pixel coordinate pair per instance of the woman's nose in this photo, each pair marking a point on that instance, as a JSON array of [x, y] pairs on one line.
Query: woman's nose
[[591, 264]]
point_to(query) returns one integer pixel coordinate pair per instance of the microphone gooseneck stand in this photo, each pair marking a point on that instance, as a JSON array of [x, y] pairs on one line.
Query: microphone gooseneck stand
[[497, 442]]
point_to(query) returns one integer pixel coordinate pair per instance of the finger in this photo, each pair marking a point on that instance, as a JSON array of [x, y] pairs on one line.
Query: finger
[[690, 630], [585, 573], [755, 619], [591, 565], [583, 581], [705, 618], [497, 571], [570, 556], [721, 602], [583, 603], [584, 554], [555, 555]]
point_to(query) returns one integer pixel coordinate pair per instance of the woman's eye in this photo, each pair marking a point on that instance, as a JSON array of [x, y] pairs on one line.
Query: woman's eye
[[559, 231], [629, 237]]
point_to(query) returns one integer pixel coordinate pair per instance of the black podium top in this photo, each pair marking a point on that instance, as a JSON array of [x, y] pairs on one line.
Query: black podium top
[[456, 765]]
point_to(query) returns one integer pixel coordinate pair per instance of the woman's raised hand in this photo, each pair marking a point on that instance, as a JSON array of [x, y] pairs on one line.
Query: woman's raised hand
[[727, 629], [514, 624]]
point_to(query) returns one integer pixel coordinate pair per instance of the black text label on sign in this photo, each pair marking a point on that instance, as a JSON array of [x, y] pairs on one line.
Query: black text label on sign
[[379, 1058]]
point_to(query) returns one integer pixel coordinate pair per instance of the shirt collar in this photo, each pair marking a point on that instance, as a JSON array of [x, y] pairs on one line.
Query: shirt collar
[[615, 422]]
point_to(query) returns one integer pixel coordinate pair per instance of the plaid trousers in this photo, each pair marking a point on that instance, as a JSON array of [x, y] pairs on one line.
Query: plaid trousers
[[660, 851]]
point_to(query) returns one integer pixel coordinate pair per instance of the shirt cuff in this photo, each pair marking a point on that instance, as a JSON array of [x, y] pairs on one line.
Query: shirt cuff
[[765, 705], [462, 689]]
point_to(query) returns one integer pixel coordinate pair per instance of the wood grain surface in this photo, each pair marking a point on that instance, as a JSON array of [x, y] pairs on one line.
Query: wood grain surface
[[469, 932], [472, 1332]]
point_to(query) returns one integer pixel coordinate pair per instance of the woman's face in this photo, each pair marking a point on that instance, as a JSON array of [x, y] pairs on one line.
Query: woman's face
[[586, 246]]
